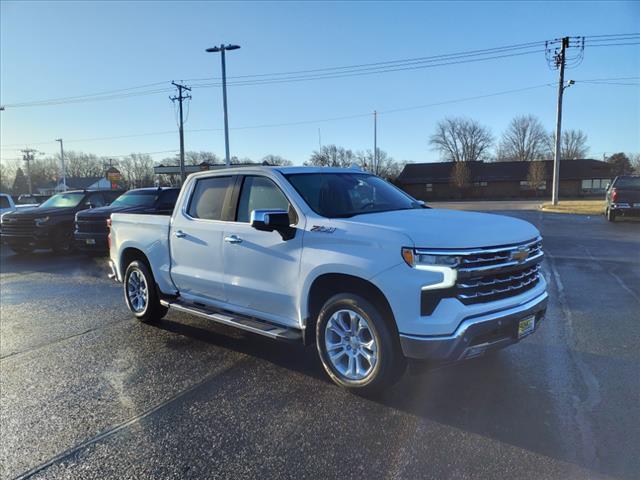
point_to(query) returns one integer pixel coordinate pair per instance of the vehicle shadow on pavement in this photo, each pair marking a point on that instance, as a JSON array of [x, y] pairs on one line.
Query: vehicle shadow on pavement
[[291, 356]]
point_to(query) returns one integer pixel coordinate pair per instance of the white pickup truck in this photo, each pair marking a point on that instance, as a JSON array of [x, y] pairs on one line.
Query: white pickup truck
[[338, 258]]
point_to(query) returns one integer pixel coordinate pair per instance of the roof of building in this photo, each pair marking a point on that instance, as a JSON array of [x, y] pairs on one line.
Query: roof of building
[[440, 172], [79, 183]]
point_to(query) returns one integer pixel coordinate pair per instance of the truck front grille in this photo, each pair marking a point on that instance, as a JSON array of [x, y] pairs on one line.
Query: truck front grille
[[92, 227], [17, 226], [490, 274], [496, 273]]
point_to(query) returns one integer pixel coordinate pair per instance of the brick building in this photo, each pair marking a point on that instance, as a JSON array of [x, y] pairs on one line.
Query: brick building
[[495, 180]]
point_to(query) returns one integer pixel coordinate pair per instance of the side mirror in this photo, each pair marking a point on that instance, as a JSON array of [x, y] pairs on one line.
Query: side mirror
[[272, 220], [88, 204]]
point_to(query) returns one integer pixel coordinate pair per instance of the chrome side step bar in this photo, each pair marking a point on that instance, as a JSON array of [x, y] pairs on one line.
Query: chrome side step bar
[[249, 324]]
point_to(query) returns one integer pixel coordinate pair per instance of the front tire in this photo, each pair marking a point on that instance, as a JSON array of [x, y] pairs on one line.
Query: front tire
[[357, 347], [62, 241], [141, 294]]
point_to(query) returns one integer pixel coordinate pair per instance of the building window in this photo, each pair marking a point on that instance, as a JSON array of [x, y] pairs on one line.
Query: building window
[[594, 184], [429, 187], [479, 184]]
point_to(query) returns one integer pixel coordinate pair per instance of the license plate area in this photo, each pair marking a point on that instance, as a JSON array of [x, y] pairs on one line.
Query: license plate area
[[526, 326], [90, 241]]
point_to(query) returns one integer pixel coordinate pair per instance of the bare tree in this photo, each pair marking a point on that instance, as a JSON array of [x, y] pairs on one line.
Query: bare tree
[[524, 140], [137, 170], [276, 160], [537, 175], [573, 145], [82, 165], [635, 162], [387, 167], [461, 140], [460, 175], [620, 164], [332, 156]]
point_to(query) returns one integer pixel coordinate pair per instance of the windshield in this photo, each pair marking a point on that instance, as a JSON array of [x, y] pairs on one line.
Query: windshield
[[139, 198], [64, 200], [349, 194], [632, 183]]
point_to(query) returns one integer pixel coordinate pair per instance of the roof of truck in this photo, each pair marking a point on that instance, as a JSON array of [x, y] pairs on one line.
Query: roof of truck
[[283, 170]]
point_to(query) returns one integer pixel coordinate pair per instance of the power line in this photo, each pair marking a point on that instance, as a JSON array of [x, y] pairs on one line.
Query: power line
[[470, 56]]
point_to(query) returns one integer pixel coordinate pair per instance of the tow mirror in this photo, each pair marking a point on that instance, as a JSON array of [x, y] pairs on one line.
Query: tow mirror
[[272, 220]]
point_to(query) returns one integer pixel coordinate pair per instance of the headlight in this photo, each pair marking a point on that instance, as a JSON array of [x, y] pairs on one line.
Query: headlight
[[416, 259], [41, 221], [432, 262]]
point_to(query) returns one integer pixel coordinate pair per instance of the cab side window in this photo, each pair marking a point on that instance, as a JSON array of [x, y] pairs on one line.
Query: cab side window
[[260, 193], [4, 202], [207, 200], [96, 200]]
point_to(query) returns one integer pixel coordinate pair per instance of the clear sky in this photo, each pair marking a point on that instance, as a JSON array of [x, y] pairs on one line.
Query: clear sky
[[61, 49]]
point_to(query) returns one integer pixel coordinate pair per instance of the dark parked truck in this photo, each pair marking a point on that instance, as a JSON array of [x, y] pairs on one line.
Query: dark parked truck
[[51, 224], [623, 197], [91, 225]]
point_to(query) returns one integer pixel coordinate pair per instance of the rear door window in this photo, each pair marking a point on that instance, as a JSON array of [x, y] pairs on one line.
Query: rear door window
[[208, 198]]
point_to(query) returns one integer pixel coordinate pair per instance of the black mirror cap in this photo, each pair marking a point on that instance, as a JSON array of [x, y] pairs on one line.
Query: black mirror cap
[[272, 220]]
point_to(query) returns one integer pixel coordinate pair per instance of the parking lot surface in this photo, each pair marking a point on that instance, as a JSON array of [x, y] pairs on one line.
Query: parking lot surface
[[88, 392]]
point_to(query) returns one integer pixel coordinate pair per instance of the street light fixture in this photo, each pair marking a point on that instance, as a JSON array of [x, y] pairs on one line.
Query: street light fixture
[[64, 176], [222, 49]]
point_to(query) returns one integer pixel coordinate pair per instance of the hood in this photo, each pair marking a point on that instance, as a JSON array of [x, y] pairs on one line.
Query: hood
[[439, 228], [105, 212], [37, 212]]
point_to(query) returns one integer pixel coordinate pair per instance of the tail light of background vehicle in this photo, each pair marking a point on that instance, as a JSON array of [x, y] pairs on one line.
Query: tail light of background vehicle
[[614, 195], [109, 234]]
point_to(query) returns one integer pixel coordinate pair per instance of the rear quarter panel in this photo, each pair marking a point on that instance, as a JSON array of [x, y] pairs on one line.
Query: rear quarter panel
[[149, 234]]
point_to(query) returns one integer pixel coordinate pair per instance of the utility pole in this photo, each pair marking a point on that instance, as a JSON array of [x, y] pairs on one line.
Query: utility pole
[[556, 53], [64, 176], [319, 141], [561, 60], [181, 98], [222, 49], [28, 156], [375, 142]]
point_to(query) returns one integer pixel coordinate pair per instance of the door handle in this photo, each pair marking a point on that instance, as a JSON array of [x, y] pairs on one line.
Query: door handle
[[180, 234], [232, 239]]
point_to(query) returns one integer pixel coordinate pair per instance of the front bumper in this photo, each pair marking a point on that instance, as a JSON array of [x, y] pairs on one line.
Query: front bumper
[[33, 240], [91, 242], [475, 335]]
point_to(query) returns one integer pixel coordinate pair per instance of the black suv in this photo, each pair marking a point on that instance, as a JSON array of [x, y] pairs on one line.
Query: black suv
[[91, 225], [50, 225], [623, 197]]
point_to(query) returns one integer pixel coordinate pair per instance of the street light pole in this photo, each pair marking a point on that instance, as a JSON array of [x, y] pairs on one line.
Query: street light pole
[[222, 49], [64, 176]]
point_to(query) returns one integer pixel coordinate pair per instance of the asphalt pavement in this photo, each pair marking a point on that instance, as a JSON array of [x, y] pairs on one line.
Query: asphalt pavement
[[88, 392]]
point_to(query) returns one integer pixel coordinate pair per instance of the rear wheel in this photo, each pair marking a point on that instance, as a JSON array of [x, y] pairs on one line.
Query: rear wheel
[[611, 215], [140, 293], [357, 347]]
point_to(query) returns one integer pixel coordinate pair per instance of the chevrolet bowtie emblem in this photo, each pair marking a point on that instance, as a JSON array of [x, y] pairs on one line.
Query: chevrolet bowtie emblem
[[520, 255]]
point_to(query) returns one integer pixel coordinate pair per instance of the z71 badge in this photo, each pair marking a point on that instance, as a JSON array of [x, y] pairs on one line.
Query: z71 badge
[[323, 229]]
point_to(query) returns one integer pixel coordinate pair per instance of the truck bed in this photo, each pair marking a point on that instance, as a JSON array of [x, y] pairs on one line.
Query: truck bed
[[148, 233]]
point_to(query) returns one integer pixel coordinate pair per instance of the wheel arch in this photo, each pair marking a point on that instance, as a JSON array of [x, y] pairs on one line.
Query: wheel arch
[[327, 285]]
